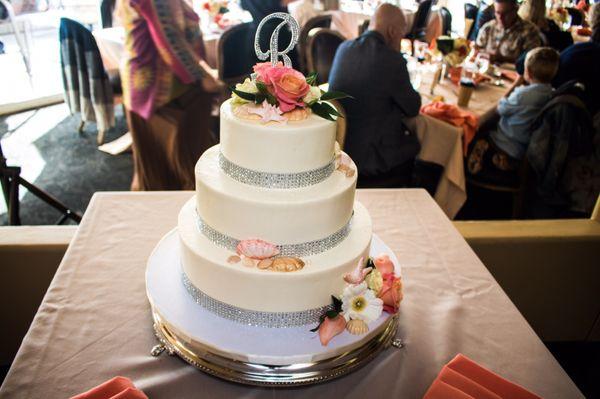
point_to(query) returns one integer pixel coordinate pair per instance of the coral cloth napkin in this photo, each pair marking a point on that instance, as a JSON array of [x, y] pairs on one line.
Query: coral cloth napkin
[[116, 388], [455, 116], [462, 378]]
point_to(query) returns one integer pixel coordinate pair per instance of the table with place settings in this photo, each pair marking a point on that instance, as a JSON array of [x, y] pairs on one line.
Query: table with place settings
[[95, 321]]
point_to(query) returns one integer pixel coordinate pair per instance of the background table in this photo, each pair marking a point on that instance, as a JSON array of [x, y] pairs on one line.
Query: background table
[[95, 322]]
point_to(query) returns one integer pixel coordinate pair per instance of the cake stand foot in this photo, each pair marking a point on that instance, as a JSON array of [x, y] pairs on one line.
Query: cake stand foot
[[397, 343]]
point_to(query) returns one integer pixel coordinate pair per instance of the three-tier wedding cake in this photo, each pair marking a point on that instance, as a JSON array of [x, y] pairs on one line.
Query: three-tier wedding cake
[[274, 244]]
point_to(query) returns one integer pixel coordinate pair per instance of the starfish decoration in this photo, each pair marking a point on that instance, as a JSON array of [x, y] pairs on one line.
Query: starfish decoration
[[268, 113]]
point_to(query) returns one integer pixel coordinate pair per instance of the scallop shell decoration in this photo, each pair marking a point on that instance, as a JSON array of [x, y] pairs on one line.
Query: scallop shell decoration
[[257, 249], [357, 327], [286, 264]]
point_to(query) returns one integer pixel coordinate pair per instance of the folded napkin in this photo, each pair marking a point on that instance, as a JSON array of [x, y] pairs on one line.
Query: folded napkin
[[116, 388], [462, 378], [452, 114]]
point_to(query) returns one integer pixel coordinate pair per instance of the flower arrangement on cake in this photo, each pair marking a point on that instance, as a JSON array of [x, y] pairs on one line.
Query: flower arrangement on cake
[[454, 50], [371, 288], [276, 93]]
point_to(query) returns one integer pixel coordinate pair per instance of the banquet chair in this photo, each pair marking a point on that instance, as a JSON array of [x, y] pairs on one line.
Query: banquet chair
[[322, 45], [470, 17], [86, 85], [23, 38], [446, 21], [320, 21], [235, 54], [418, 31], [577, 16], [107, 8]]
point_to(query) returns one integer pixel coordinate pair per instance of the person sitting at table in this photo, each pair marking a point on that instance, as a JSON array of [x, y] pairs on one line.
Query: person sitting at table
[[373, 71], [580, 62], [497, 155], [507, 36], [167, 92], [534, 11], [485, 14]]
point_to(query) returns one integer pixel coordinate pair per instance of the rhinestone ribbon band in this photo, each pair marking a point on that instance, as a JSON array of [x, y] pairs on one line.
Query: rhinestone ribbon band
[[252, 317], [275, 180], [299, 250]]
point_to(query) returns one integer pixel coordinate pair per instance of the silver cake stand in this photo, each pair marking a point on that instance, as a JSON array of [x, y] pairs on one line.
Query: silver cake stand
[[247, 354]]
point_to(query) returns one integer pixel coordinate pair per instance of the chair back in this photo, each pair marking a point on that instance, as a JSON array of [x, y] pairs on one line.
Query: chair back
[[576, 16], [87, 88], [419, 26], [471, 11], [107, 7], [446, 21], [320, 21], [322, 45], [235, 56]]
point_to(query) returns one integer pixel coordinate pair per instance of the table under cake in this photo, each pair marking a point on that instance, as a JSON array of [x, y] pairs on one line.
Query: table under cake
[[95, 321]]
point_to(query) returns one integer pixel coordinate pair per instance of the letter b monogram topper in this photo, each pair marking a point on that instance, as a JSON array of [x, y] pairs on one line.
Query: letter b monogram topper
[[273, 50]]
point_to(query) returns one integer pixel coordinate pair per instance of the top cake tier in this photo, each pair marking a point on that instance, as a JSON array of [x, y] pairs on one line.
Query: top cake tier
[[292, 147]]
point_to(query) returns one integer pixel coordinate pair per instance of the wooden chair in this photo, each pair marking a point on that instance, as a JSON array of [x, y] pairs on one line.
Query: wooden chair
[[320, 21], [322, 45], [235, 54]]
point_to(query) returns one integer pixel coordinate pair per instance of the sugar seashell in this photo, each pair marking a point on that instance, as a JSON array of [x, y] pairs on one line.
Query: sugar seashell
[[357, 327], [257, 249], [241, 111], [249, 262], [350, 172], [265, 263], [298, 114], [287, 264], [233, 259]]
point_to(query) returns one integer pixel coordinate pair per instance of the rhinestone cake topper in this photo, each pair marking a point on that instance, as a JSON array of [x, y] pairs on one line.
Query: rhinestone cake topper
[[273, 50]]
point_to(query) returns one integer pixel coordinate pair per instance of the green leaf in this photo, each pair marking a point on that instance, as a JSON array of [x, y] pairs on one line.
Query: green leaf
[[334, 95], [244, 95], [370, 263], [264, 91], [321, 110], [332, 314], [337, 304], [311, 79], [331, 110], [321, 320]]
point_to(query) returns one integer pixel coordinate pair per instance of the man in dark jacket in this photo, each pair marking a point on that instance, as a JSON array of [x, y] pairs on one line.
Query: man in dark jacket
[[373, 71]]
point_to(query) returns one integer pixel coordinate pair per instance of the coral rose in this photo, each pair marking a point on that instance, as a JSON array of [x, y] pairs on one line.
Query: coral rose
[[384, 264], [288, 85], [391, 293]]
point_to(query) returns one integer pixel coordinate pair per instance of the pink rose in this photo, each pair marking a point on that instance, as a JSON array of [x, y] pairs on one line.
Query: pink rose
[[288, 85], [261, 69], [384, 264], [391, 293]]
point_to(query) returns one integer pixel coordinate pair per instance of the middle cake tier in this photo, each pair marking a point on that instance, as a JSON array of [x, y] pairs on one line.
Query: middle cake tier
[[229, 208]]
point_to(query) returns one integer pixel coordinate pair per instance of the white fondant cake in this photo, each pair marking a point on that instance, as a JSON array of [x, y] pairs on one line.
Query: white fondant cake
[[227, 210]]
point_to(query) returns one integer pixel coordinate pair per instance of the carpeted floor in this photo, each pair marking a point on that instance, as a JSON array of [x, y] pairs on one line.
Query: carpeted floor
[[73, 168]]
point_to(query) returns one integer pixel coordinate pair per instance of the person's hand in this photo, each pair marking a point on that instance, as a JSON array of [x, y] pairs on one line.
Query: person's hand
[[212, 85], [211, 82]]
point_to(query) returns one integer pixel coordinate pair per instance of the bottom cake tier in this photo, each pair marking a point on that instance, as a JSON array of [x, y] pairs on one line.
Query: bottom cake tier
[[232, 289], [249, 354]]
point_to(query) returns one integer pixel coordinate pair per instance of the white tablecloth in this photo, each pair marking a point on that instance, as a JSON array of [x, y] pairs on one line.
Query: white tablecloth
[[95, 323]]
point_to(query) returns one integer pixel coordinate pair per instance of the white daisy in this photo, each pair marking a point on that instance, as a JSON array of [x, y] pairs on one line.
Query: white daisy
[[360, 303]]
